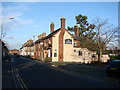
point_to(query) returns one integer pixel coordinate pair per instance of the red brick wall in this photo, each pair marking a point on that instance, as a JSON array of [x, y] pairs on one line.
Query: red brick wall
[[61, 36], [76, 30]]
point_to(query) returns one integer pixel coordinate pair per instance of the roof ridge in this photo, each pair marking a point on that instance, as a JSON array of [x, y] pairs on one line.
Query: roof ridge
[[48, 36]]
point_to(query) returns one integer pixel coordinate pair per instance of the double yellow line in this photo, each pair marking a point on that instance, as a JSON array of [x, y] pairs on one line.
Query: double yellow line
[[21, 83], [18, 78]]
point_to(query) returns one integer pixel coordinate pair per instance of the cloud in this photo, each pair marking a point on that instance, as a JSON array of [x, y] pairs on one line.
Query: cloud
[[9, 9], [9, 37], [13, 45], [16, 12]]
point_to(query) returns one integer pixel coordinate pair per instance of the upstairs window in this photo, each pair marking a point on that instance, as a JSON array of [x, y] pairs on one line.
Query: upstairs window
[[74, 50], [75, 44]]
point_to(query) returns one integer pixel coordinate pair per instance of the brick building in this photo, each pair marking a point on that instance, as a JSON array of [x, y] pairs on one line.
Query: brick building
[[14, 52], [27, 49]]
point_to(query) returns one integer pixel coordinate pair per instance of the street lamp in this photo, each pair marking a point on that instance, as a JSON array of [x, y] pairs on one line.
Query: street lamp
[[11, 17]]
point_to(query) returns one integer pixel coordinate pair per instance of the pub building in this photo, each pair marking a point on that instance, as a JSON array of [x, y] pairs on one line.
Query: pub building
[[61, 45]]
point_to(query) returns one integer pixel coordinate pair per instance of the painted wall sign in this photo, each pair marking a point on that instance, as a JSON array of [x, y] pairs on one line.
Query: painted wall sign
[[68, 41]]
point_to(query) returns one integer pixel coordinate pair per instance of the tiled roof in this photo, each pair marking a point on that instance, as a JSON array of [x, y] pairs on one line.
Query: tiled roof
[[76, 38], [32, 44], [50, 35], [21, 47], [27, 45], [13, 50]]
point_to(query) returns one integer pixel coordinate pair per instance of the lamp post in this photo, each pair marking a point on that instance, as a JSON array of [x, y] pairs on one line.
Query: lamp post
[[1, 30], [3, 34]]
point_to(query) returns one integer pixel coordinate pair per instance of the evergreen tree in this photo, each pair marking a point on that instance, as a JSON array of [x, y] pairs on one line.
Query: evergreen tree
[[86, 32]]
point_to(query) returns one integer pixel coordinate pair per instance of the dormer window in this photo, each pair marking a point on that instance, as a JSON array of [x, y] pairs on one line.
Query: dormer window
[[75, 44]]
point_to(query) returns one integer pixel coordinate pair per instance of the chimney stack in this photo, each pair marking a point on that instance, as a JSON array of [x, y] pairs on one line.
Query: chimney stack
[[43, 35], [62, 22], [76, 30], [51, 27], [40, 36]]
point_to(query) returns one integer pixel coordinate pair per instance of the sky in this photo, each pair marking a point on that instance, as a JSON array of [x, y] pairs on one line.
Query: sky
[[60, 0], [34, 18]]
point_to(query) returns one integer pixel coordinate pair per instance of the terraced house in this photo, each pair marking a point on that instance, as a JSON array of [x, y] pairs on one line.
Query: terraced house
[[60, 45], [27, 49]]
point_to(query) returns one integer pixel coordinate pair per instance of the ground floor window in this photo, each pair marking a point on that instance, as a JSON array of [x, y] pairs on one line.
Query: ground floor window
[[51, 54], [55, 54], [80, 53], [93, 56]]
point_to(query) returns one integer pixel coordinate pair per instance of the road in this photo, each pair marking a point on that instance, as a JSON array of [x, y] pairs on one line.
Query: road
[[96, 72], [32, 74]]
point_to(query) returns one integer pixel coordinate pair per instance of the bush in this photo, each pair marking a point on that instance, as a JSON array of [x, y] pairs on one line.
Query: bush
[[47, 59], [49, 45]]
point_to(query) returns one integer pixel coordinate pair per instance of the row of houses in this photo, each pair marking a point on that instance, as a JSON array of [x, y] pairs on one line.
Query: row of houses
[[59, 46]]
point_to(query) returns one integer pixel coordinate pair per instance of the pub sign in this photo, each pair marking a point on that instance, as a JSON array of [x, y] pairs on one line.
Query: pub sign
[[68, 41]]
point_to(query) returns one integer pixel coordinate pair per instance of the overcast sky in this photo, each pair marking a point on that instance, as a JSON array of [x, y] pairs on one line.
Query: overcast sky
[[34, 18]]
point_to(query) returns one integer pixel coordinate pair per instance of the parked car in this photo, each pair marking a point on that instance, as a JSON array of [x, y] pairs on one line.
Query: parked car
[[113, 68], [11, 61], [17, 55]]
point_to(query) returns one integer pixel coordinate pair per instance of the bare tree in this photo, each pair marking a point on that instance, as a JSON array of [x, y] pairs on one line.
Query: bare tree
[[105, 34]]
